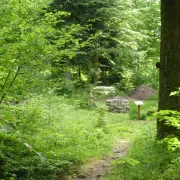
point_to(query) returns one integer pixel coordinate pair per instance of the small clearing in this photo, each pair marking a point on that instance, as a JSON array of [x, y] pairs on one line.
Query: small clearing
[[97, 169]]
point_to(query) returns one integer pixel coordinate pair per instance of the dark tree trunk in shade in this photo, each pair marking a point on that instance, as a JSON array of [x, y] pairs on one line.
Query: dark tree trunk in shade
[[169, 61]]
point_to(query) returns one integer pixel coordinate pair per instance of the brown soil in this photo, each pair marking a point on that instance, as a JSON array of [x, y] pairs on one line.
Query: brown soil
[[142, 92], [97, 169]]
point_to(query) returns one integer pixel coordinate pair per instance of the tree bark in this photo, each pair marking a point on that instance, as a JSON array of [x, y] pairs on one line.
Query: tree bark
[[11, 83], [96, 67], [170, 61]]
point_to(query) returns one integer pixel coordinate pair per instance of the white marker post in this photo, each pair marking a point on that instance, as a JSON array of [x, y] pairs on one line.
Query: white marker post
[[139, 103]]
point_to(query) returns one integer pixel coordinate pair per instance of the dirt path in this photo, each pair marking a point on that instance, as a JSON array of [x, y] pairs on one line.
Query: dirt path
[[96, 170]]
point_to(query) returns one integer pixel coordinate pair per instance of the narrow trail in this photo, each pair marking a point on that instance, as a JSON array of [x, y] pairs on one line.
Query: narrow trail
[[98, 169]]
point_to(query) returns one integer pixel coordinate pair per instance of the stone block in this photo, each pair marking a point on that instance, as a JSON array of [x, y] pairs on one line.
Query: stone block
[[118, 105]]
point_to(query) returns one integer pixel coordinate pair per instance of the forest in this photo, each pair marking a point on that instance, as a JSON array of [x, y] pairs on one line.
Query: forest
[[62, 63]]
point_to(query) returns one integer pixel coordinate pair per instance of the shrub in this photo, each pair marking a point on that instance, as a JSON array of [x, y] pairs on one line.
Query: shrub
[[86, 104]]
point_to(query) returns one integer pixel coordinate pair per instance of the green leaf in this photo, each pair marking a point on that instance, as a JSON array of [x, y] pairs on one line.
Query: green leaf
[[175, 93]]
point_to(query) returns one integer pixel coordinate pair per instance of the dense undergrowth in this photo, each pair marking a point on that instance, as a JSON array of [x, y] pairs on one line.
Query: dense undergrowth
[[47, 137]]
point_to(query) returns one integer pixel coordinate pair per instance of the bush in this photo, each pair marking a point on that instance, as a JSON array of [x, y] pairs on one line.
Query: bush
[[86, 104]]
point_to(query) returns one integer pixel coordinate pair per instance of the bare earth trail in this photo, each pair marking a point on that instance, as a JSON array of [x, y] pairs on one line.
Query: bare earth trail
[[98, 169]]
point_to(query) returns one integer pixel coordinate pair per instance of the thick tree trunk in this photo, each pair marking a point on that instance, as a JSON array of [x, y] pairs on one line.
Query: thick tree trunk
[[169, 60]]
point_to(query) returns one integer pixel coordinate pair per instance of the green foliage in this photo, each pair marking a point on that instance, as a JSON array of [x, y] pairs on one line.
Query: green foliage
[[63, 46], [169, 117], [147, 159], [149, 107], [127, 163], [154, 97], [24, 47], [83, 100], [143, 116], [92, 42], [175, 93], [102, 120], [114, 38], [29, 37], [86, 104], [47, 138], [173, 143], [133, 113], [152, 159], [19, 147], [127, 81]]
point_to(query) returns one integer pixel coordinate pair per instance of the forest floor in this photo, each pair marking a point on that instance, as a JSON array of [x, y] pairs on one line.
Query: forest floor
[[98, 169]]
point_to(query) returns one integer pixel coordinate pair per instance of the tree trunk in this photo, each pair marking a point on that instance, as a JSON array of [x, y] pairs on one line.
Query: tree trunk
[[95, 74], [169, 61], [68, 73], [79, 73], [96, 67]]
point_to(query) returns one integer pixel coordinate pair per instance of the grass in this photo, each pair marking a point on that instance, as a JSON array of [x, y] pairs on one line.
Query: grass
[[52, 136], [128, 168], [146, 109], [55, 136], [147, 158]]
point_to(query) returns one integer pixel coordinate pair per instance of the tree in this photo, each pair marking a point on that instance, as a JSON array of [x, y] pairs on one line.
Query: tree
[[109, 34], [169, 62], [92, 15], [26, 49], [146, 24]]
